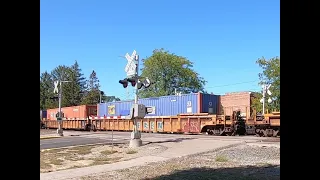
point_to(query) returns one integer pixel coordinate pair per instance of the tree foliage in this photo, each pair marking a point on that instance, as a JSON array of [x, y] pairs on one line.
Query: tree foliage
[[109, 98], [46, 90], [270, 75], [256, 104], [169, 73], [77, 85], [76, 92], [92, 92]]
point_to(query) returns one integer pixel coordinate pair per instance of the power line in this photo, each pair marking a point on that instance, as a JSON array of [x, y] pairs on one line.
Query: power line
[[128, 96], [232, 84], [251, 90]]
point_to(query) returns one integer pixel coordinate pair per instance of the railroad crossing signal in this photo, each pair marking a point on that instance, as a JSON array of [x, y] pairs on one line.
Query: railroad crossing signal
[[131, 67], [135, 82], [139, 111], [124, 83], [147, 83], [266, 89], [56, 90], [57, 115]]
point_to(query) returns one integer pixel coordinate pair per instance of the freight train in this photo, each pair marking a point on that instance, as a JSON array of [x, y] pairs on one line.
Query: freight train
[[189, 113]]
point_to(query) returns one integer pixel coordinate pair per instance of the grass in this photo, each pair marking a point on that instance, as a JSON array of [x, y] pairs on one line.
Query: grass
[[44, 165], [131, 151], [221, 158], [57, 159], [107, 152], [49, 158], [82, 150], [73, 157], [54, 156]]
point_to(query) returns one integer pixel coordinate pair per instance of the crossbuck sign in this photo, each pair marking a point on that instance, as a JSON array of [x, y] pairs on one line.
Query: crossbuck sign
[[131, 66], [56, 90]]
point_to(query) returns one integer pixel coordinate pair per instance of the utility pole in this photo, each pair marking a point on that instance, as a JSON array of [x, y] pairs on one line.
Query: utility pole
[[136, 135], [138, 111], [59, 115], [100, 96]]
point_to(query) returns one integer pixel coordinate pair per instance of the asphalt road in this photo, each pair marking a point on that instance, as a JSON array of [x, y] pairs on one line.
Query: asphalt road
[[124, 135], [72, 141], [83, 138]]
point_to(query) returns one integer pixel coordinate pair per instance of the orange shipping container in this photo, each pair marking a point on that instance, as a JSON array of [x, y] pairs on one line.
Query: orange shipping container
[[79, 112]]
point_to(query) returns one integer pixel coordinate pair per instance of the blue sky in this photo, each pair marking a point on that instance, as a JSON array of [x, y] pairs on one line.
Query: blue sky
[[223, 38]]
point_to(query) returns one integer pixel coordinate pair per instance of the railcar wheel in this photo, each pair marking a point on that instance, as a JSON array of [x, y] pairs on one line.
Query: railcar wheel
[[94, 129], [88, 127]]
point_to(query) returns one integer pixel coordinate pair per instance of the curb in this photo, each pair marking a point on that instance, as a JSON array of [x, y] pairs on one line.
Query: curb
[[67, 147], [49, 137]]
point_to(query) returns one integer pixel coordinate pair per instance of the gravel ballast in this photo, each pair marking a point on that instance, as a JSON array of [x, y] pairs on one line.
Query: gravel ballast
[[244, 162]]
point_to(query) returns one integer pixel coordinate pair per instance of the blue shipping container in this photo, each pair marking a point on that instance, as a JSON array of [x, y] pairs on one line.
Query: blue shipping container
[[43, 114], [165, 105], [210, 103]]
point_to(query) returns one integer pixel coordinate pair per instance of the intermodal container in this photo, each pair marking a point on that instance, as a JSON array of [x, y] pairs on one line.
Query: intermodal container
[[166, 105], [43, 114], [79, 112]]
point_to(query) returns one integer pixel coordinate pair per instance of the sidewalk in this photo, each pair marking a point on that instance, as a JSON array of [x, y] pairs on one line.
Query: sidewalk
[[175, 149], [65, 133]]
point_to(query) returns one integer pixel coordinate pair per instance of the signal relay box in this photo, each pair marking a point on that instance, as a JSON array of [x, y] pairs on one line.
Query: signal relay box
[[137, 111]]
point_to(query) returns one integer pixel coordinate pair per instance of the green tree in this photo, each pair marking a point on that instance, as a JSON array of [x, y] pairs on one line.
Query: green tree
[[169, 73], [63, 73], [255, 102], [92, 95], [75, 88], [46, 91], [270, 75], [109, 98]]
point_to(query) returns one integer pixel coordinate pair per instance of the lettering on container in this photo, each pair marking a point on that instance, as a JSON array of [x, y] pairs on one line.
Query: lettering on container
[[152, 125], [145, 125], [189, 107], [138, 125], [153, 109], [111, 110], [189, 104], [159, 125]]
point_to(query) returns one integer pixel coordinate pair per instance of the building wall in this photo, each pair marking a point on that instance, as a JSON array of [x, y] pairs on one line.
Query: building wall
[[236, 101]]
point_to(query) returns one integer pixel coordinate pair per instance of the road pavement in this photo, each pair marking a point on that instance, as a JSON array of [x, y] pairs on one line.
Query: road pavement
[[74, 141], [83, 138]]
